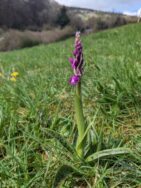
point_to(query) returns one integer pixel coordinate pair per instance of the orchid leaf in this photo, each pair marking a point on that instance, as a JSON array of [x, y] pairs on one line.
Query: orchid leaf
[[108, 153]]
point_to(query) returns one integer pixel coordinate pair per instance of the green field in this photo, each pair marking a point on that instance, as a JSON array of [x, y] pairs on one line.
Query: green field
[[41, 99]]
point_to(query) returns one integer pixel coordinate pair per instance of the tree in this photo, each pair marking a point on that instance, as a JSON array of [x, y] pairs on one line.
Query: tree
[[22, 14], [63, 18]]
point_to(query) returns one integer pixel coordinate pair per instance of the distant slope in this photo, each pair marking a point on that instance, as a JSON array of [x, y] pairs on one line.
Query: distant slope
[[122, 40], [88, 13]]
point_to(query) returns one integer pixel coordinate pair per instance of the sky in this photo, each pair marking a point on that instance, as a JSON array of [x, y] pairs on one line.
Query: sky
[[128, 6]]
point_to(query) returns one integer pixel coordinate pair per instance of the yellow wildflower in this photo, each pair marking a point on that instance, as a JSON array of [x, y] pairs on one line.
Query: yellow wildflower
[[13, 79], [14, 74], [1, 75]]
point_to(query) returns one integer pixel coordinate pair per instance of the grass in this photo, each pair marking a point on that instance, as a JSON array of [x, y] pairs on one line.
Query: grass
[[41, 99]]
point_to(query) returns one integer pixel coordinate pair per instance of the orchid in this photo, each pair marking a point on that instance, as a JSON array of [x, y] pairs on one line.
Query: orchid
[[77, 63]]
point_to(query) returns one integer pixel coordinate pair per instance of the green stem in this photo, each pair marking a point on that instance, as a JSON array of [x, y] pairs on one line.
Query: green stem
[[79, 120]]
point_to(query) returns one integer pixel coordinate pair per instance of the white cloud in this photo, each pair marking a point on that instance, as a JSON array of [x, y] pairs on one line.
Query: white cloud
[[116, 5], [130, 13], [137, 13], [66, 2], [93, 4]]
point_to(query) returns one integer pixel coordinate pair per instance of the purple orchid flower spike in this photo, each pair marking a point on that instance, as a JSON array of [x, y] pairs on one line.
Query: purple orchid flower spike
[[77, 63], [74, 79]]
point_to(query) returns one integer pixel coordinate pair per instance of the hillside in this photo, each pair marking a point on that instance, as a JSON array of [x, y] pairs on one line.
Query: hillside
[[26, 23], [86, 14], [41, 97]]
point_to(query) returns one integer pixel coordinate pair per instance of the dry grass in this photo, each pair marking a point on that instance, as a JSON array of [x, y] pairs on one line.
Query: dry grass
[[14, 39]]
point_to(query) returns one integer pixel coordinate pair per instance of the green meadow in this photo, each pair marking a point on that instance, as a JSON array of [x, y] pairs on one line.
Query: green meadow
[[37, 123]]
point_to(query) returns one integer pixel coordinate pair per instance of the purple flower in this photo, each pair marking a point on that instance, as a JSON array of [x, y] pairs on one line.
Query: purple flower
[[74, 79], [77, 63]]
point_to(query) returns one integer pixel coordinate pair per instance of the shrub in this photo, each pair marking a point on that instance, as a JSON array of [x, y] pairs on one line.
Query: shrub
[[14, 39], [77, 23], [105, 22], [120, 21]]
